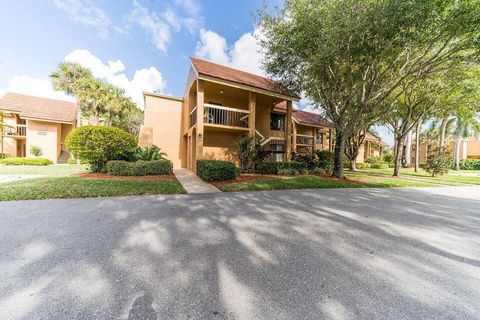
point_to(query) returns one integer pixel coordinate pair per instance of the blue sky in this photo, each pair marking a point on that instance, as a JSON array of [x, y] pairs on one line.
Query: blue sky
[[135, 44]]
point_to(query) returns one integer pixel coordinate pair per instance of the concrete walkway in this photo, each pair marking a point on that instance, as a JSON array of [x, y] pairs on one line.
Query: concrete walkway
[[192, 183]]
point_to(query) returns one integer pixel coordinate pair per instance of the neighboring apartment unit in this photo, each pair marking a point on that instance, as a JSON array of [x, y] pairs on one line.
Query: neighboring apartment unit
[[34, 121], [373, 147], [220, 104], [469, 149]]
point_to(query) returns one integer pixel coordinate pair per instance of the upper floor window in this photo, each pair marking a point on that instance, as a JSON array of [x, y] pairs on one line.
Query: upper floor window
[[319, 139], [277, 121]]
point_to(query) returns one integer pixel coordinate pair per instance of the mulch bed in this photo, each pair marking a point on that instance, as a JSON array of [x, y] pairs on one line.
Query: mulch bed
[[105, 176]]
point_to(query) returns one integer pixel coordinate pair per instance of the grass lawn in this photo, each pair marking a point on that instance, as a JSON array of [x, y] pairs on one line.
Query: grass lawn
[[371, 178], [52, 170], [316, 182], [75, 187]]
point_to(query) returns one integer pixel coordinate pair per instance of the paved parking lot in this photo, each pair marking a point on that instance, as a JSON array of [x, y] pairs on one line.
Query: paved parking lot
[[310, 254]]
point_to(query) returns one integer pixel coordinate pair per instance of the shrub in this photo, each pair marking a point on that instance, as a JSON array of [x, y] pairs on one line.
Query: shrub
[[216, 170], [387, 156], [26, 161], [311, 159], [439, 161], [373, 160], [271, 167], [379, 165], [287, 172], [364, 165], [470, 164], [35, 151], [250, 153], [98, 144], [149, 153], [325, 159], [317, 171], [74, 161], [139, 168]]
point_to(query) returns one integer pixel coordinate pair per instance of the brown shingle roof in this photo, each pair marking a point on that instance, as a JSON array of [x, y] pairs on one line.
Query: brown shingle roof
[[306, 117], [39, 108], [374, 138], [226, 73]]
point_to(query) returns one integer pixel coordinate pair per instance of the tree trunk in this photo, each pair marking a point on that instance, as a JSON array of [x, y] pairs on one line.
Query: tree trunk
[[443, 129], [458, 141], [339, 153], [353, 165], [417, 145], [398, 157], [408, 149]]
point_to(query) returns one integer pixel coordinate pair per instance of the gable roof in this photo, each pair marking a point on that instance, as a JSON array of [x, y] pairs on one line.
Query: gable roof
[[39, 108], [371, 137], [305, 117], [226, 73]]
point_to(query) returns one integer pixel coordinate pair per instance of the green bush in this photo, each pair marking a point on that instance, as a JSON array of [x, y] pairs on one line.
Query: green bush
[[26, 161], [216, 170], [250, 153], [364, 165], [149, 153], [35, 151], [288, 172], [470, 164], [139, 168], [74, 161], [271, 167], [379, 165], [439, 161], [98, 144], [387, 156], [325, 159], [373, 160]]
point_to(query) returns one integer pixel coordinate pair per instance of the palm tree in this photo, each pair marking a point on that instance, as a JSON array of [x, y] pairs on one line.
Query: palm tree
[[67, 77]]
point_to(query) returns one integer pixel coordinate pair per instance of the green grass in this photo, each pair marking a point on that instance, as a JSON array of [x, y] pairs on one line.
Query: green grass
[[53, 170], [74, 187], [314, 182]]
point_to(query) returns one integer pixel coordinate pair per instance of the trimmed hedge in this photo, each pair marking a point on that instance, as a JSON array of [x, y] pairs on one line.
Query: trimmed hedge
[[74, 161], [216, 170], [379, 165], [272, 167], [139, 168], [364, 165], [26, 161], [470, 164]]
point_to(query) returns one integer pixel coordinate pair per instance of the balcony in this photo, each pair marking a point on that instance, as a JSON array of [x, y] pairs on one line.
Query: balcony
[[225, 116], [19, 130], [304, 140]]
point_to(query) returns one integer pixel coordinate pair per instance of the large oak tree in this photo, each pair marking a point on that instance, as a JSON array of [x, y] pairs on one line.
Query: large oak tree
[[348, 56]]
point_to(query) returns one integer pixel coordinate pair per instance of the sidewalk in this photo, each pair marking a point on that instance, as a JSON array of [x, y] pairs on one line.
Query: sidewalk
[[192, 183]]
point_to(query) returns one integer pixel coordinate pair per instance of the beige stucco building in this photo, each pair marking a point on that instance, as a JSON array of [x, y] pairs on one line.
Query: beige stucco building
[[220, 104], [34, 121], [469, 149]]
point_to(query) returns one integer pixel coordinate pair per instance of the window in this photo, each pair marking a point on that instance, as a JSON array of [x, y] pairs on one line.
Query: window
[[319, 139], [277, 151], [277, 121]]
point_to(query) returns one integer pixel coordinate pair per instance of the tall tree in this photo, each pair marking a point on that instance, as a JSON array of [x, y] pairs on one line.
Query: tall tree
[[348, 56], [353, 146], [68, 77]]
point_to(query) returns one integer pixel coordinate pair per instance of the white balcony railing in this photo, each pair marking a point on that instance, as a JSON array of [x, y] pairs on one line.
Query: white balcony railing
[[15, 130], [225, 116]]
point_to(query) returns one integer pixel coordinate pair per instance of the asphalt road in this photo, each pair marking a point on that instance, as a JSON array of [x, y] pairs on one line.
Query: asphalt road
[[319, 254]]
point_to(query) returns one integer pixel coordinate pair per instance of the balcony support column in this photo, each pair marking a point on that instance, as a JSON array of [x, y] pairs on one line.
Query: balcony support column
[[314, 140], [288, 131], [199, 129], [252, 105]]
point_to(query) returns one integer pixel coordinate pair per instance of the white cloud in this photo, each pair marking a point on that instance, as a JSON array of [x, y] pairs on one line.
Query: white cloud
[[245, 54], [87, 14], [146, 79], [41, 87], [159, 26]]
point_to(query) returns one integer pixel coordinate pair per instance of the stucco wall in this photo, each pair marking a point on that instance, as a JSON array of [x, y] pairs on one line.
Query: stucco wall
[[220, 145], [162, 122], [9, 143], [47, 136]]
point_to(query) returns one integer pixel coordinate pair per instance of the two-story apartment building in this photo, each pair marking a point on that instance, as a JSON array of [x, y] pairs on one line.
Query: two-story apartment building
[[219, 105], [34, 121]]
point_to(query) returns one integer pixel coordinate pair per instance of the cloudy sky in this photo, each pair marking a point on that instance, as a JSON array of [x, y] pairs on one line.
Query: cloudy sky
[[139, 45]]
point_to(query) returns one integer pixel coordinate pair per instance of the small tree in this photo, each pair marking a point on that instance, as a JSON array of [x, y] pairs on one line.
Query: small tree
[[36, 151], [98, 145], [250, 153], [354, 142], [439, 161]]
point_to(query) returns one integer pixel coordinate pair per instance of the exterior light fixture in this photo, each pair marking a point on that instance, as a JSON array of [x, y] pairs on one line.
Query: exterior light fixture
[[221, 91]]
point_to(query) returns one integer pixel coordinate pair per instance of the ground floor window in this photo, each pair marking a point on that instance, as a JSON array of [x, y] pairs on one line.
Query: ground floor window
[[277, 151]]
